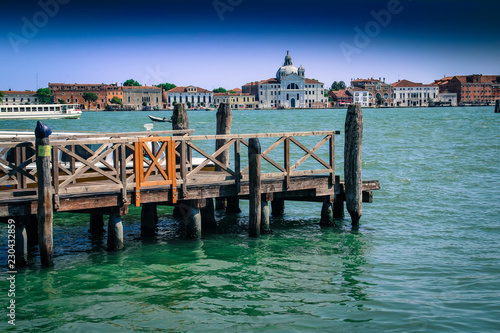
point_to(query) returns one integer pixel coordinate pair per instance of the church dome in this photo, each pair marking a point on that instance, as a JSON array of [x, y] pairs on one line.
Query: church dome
[[287, 68]]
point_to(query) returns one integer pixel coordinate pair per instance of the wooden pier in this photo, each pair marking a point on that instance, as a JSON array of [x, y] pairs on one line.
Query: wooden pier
[[103, 174]]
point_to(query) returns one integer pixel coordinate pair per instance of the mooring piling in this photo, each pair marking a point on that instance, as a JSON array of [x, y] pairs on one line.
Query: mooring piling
[[254, 162], [497, 106], [45, 211], [115, 229], [353, 147]]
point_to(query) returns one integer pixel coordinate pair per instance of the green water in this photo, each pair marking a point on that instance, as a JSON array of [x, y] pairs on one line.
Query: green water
[[425, 259]]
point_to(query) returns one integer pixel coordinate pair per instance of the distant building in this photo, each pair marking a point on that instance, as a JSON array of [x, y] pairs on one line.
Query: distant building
[[341, 97], [196, 97], [289, 89], [114, 91], [73, 94], [19, 97], [142, 97], [476, 89], [236, 100], [360, 96], [407, 93], [447, 99], [379, 92]]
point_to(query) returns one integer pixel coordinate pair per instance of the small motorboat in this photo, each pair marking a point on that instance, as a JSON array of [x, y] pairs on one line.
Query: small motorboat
[[161, 120]]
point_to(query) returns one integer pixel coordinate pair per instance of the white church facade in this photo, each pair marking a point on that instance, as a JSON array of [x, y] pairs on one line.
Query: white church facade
[[290, 89]]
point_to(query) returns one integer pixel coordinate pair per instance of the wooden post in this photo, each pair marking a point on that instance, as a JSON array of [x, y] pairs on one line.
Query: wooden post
[[149, 220], [265, 225], [45, 192], [193, 220], [21, 238], [208, 215], [278, 207], [497, 106], [254, 160], [96, 224], [32, 230], [327, 218], [115, 230], [224, 120], [338, 203], [180, 119], [353, 148]]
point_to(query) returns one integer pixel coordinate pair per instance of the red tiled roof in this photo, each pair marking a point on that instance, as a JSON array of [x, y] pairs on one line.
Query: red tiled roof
[[406, 83], [310, 81], [340, 93], [10, 92]]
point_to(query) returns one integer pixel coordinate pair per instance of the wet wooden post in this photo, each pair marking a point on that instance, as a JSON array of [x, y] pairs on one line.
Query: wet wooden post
[[32, 230], [254, 161], [115, 230], [21, 237], [208, 215], [327, 218], [265, 224], [193, 220], [45, 192], [278, 207], [96, 224], [149, 219], [224, 121], [497, 106], [353, 148], [180, 121], [338, 203]]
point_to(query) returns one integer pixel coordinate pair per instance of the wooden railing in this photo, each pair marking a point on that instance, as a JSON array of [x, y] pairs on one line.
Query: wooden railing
[[121, 162]]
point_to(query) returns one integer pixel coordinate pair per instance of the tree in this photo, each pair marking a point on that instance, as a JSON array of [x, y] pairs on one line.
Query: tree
[[131, 82], [220, 90], [166, 86], [89, 97], [144, 104], [115, 100], [61, 101], [44, 95], [379, 98], [1, 95], [336, 86]]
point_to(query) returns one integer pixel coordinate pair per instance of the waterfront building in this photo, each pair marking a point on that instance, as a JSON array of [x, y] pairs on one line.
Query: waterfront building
[[341, 97], [73, 94], [237, 100], [19, 97], [447, 98], [476, 89], [379, 92], [360, 96], [407, 93], [192, 96], [289, 89], [114, 91], [142, 97]]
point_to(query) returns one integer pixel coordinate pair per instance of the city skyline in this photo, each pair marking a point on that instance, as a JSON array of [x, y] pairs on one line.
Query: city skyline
[[232, 42]]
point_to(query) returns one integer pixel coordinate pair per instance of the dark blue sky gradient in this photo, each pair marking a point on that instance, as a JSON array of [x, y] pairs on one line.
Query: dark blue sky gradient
[[187, 42]]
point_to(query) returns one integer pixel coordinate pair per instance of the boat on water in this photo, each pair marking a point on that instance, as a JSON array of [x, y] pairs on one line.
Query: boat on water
[[40, 111], [159, 119]]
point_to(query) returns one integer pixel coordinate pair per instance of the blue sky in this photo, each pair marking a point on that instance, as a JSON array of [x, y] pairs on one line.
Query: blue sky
[[212, 43]]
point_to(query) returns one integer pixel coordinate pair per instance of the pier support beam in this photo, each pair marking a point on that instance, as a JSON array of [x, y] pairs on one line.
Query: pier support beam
[[353, 148], [254, 161], [193, 220], [338, 203], [32, 229], [278, 207], [265, 225], [96, 224], [208, 215], [45, 192], [497, 106], [115, 230], [327, 216], [149, 220], [21, 238]]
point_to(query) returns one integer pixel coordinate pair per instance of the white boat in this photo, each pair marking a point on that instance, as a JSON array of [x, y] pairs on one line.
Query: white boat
[[40, 111]]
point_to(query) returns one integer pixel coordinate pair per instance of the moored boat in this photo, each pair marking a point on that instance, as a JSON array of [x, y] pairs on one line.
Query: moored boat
[[40, 111], [158, 119]]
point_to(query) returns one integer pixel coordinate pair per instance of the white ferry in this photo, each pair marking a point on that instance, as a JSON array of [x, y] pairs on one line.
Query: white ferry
[[40, 111]]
